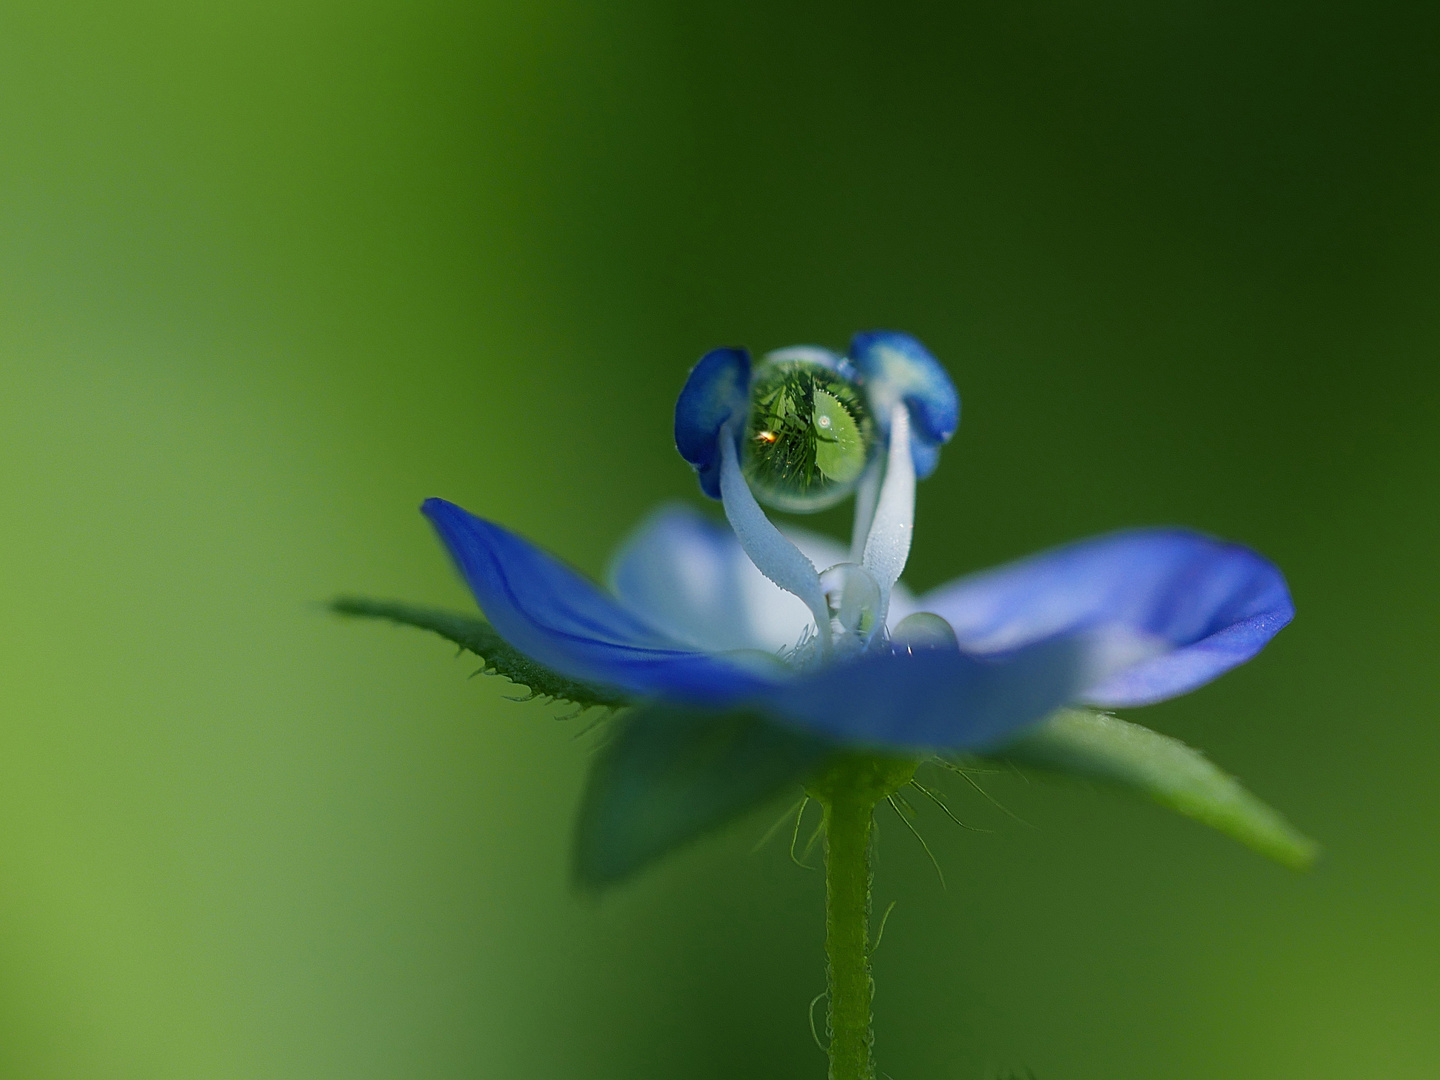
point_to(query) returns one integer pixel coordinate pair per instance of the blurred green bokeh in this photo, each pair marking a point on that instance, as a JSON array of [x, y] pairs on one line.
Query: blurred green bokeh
[[272, 273]]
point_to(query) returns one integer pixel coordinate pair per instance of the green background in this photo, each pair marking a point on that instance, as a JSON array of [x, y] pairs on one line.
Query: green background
[[271, 273]]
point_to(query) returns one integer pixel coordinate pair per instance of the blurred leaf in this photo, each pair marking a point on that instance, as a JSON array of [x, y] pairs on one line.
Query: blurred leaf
[[1102, 747], [669, 775], [475, 635]]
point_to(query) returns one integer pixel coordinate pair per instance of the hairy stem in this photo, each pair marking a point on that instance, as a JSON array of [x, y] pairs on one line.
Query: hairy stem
[[849, 791]]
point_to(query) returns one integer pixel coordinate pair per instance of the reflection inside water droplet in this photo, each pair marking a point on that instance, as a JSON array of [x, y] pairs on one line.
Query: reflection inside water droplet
[[809, 435]]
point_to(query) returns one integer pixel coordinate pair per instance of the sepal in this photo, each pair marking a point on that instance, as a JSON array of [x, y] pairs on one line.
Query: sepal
[[667, 776], [1098, 746], [896, 368], [475, 635], [717, 390]]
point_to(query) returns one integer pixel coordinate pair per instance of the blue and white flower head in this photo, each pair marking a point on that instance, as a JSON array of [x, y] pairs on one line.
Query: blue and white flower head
[[828, 641]]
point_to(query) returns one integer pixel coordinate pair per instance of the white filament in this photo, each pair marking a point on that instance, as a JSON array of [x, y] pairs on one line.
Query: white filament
[[867, 494], [887, 546], [773, 555]]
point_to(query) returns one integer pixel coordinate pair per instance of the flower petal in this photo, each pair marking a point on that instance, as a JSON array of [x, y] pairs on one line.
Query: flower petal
[[896, 368], [687, 576], [934, 699], [1175, 608], [718, 387], [561, 619]]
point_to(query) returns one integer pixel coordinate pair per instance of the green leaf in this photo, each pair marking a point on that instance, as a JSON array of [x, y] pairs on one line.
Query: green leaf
[[670, 775], [475, 635], [1102, 747]]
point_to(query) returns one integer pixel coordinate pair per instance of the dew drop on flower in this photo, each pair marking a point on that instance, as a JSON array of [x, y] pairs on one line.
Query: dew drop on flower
[[809, 435], [853, 596], [923, 630]]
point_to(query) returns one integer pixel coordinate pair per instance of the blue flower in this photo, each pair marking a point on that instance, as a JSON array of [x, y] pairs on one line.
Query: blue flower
[[794, 628], [748, 658]]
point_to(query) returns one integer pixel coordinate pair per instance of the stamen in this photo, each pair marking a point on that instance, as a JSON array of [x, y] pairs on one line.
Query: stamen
[[773, 555], [867, 494], [888, 545]]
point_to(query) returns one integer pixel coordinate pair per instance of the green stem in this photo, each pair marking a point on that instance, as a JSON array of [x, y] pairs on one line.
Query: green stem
[[847, 934], [849, 791]]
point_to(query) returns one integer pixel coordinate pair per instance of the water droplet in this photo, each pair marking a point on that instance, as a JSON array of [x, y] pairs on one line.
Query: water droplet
[[923, 630], [809, 435], [853, 596]]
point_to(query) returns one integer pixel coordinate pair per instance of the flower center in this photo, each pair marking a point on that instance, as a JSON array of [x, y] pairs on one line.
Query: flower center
[[850, 602]]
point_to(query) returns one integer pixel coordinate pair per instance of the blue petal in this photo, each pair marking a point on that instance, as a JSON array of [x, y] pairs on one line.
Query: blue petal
[[718, 388], [936, 699], [1178, 608], [563, 620], [898, 368]]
